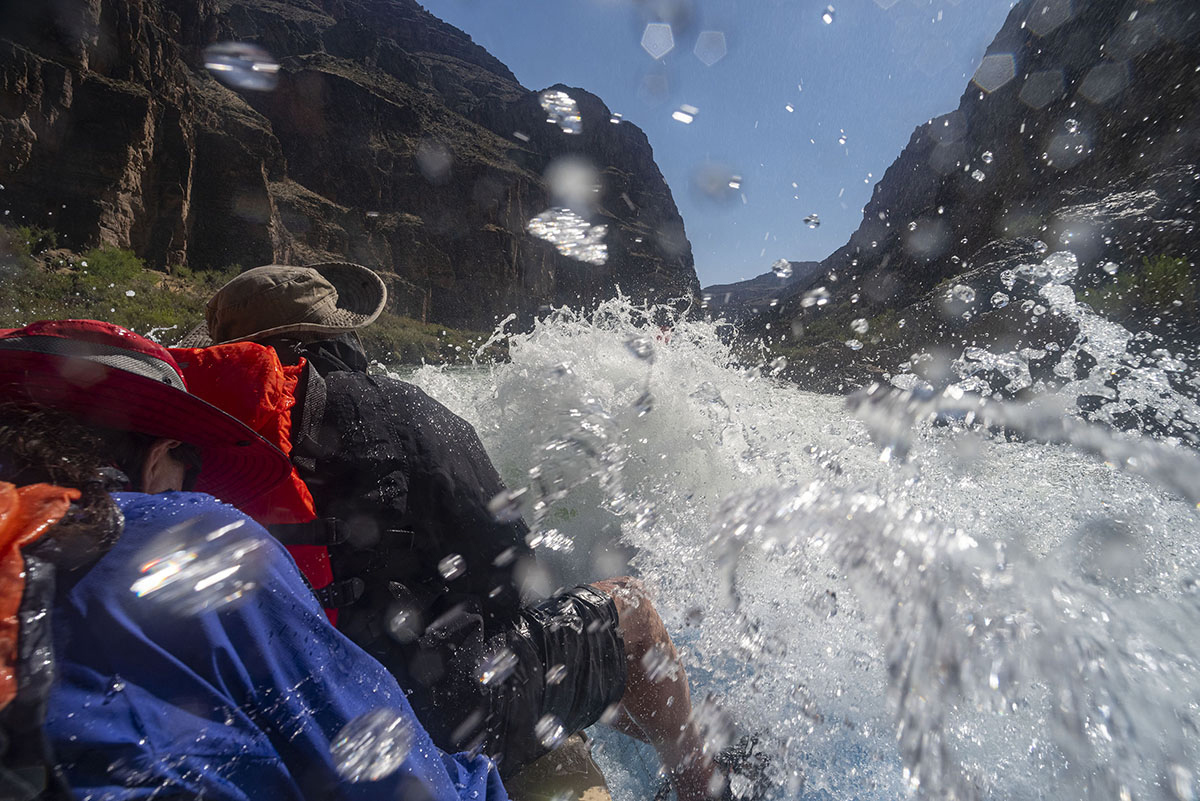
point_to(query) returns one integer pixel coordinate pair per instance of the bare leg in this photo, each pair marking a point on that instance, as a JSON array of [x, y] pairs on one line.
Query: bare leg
[[624, 724], [660, 707]]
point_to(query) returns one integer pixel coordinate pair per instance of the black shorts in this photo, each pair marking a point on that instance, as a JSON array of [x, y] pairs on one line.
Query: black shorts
[[570, 664]]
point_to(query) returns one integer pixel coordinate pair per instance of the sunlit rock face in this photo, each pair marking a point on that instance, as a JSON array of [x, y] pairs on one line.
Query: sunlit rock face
[[363, 130], [1077, 134]]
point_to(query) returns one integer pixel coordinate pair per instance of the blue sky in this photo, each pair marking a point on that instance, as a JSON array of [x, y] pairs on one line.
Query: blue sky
[[873, 73]]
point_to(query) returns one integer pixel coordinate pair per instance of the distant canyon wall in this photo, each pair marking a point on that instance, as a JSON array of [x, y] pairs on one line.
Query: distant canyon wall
[[1080, 132]]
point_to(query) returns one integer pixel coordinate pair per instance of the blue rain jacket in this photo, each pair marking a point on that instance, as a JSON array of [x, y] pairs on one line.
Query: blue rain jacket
[[240, 703]]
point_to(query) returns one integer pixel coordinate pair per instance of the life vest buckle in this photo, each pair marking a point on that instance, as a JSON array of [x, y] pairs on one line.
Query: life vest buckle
[[337, 594]]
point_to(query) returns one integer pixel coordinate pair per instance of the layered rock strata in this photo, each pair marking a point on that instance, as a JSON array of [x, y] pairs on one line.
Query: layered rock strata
[[390, 139]]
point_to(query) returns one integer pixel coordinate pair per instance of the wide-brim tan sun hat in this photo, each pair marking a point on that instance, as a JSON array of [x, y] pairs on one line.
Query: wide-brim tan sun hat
[[324, 299]]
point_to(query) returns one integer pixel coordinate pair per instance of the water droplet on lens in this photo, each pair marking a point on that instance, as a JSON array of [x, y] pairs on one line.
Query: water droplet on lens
[[561, 110], [827, 16], [644, 404], [556, 674], [403, 625], [497, 667], [452, 566], [1182, 783], [372, 746], [1072, 126], [710, 47], [999, 300], [200, 565], [657, 39], [506, 505], [853, 344], [860, 326], [549, 731], [129, 293], [571, 234], [987, 157], [240, 65], [1040, 247], [815, 297], [717, 181], [658, 664], [962, 293], [1109, 267], [434, 161], [978, 175], [813, 220], [641, 346], [782, 268], [685, 114]]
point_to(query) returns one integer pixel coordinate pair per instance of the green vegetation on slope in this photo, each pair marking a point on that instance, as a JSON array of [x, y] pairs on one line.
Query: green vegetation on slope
[[1161, 285], [38, 281]]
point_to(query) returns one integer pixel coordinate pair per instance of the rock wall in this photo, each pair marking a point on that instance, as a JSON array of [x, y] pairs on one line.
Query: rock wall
[[1080, 132], [391, 139], [742, 300]]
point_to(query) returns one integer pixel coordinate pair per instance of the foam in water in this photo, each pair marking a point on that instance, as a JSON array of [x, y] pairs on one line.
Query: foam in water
[[919, 591]]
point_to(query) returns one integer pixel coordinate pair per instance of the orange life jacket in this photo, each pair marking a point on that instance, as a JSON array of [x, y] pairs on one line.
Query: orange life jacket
[[26, 513], [247, 381]]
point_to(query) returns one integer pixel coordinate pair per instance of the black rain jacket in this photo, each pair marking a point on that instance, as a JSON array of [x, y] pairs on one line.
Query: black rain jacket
[[409, 481]]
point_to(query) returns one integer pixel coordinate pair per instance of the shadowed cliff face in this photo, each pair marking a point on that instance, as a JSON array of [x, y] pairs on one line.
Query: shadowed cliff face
[[741, 300], [1080, 132], [391, 139]]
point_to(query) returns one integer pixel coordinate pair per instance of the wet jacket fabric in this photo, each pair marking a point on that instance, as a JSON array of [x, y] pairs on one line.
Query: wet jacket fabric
[[229, 705], [413, 482], [26, 665]]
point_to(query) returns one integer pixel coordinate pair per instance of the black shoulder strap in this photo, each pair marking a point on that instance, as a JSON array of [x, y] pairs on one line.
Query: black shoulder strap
[[326, 531], [322, 531], [305, 446], [337, 594]]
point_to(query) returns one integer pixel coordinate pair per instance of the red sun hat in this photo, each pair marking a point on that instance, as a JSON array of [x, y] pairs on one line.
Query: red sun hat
[[110, 377]]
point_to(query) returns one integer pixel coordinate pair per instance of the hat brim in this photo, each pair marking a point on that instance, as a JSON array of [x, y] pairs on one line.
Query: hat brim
[[361, 297], [238, 465]]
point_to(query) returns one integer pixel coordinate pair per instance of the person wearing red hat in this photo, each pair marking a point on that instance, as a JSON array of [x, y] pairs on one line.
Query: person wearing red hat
[[130, 387], [159, 643]]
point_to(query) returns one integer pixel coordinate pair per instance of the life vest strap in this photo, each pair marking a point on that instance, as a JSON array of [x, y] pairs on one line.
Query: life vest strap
[[324, 531], [337, 594], [305, 446]]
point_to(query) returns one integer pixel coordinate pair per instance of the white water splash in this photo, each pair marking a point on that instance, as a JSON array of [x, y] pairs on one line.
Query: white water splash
[[1104, 372], [975, 615]]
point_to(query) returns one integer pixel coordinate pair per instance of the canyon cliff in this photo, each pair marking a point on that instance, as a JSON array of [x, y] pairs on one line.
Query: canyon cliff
[[1079, 134], [390, 139]]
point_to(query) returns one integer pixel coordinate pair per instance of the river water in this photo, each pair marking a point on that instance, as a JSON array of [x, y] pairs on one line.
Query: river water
[[900, 591]]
